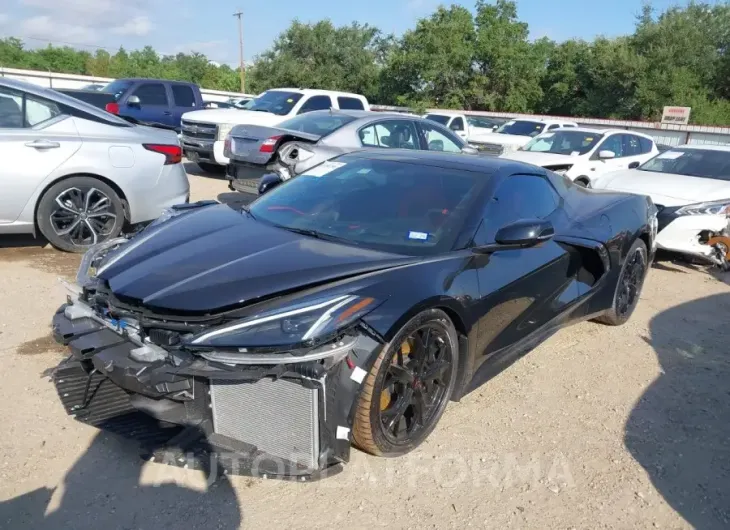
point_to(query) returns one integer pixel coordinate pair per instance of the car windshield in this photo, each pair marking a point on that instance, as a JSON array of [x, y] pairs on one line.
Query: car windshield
[[522, 128], [319, 123], [706, 163], [276, 102], [385, 205], [563, 143], [438, 118], [117, 88], [484, 123]]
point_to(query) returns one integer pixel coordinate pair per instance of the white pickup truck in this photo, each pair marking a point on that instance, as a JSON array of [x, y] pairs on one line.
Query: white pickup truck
[[468, 127], [204, 131]]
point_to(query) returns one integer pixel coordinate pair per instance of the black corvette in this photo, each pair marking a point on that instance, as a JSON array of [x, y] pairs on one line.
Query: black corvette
[[347, 306]]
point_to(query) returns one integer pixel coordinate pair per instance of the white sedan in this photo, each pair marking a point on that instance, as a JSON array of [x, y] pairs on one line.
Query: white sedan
[[583, 154], [690, 186], [77, 174]]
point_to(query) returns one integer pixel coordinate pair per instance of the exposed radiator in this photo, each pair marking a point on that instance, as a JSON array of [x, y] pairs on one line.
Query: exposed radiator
[[280, 418]]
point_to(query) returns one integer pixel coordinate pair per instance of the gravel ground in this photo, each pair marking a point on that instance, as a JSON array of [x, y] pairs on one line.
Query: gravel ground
[[599, 427]]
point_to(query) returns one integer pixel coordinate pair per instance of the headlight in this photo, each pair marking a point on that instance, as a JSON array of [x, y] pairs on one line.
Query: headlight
[[301, 324], [706, 208], [92, 259], [223, 130]]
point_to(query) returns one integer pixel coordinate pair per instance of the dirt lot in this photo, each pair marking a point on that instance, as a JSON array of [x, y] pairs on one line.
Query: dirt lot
[[598, 428]]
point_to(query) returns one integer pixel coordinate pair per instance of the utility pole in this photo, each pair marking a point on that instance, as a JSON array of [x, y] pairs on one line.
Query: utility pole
[[238, 15]]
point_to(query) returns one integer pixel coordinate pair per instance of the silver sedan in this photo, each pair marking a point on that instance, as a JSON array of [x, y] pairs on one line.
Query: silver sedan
[[77, 174], [300, 143]]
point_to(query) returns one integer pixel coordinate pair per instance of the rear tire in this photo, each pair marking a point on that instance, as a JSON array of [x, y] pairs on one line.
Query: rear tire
[[79, 212], [212, 168], [628, 288], [408, 387]]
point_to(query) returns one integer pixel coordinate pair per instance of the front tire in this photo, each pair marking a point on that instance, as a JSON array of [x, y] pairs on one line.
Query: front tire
[[79, 212], [629, 285], [408, 387]]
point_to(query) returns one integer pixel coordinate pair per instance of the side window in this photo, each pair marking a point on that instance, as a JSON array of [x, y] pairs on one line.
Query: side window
[[612, 143], [457, 124], [396, 134], [439, 139], [520, 197], [38, 110], [151, 94], [553, 127], [183, 96], [646, 145], [11, 109], [316, 103], [632, 147], [350, 103]]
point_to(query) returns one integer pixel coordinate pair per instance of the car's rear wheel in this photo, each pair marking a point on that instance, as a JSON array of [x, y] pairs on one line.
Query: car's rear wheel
[[79, 212], [628, 288], [408, 387], [212, 168]]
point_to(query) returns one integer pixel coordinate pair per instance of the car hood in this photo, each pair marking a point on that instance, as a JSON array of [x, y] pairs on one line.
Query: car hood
[[234, 116], [540, 159], [501, 139], [666, 189], [214, 258]]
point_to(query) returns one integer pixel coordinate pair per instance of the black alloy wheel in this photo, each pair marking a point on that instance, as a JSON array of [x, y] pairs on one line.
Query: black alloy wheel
[[629, 285], [409, 387], [79, 212]]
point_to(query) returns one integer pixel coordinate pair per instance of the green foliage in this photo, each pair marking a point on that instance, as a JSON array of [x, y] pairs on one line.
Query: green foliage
[[479, 59]]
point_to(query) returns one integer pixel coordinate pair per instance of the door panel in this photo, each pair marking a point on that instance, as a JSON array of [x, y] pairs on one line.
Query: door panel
[[523, 290], [26, 166]]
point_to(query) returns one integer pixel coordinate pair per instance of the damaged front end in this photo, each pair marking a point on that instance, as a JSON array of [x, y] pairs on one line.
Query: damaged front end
[[265, 391]]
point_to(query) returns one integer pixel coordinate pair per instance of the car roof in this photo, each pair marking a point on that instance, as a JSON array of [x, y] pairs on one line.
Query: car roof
[[709, 147], [486, 165], [317, 92]]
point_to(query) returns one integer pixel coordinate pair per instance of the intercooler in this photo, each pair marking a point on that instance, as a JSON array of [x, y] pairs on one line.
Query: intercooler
[[280, 418]]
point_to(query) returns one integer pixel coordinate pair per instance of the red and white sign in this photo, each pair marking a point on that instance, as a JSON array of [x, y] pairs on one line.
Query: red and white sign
[[676, 115]]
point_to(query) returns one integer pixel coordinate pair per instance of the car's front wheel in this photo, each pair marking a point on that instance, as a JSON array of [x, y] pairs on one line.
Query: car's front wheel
[[79, 212], [408, 387]]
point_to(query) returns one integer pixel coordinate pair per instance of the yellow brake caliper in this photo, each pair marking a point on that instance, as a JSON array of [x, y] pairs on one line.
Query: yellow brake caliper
[[385, 395]]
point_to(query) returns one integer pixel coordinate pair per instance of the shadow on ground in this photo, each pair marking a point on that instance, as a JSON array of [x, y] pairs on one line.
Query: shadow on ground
[[191, 168], [103, 490], [679, 431]]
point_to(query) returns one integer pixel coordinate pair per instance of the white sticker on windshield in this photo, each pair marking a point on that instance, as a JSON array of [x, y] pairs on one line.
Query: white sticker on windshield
[[670, 155], [322, 169], [418, 235], [575, 153], [364, 171]]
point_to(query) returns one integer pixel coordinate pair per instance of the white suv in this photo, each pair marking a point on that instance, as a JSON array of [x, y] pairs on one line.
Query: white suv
[[514, 134], [204, 131], [583, 154]]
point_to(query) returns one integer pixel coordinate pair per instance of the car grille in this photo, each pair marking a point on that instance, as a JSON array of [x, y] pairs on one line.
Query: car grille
[[490, 149], [199, 131], [280, 418]]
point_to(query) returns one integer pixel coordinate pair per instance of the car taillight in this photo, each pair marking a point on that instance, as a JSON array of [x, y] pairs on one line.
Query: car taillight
[[227, 144], [267, 146], [173, 153], [112, 107]]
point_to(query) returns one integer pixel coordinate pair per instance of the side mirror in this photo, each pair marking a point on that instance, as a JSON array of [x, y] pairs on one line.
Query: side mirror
[[520, 234], [495, 127], [133, 101], [269, 182], [606, 155], [634, 165]]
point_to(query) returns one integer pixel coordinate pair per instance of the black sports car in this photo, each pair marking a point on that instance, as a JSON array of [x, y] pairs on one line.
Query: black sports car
[[347, 306]]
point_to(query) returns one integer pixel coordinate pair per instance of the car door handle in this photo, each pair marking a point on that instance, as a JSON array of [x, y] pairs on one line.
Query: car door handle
[[167, 113], [43, 144]]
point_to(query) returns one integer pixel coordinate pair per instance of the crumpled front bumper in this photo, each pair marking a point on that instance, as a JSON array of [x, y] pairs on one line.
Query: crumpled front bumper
[[277, 421]]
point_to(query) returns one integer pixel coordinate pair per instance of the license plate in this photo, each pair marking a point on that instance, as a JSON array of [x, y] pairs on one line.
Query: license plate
[[192, 156], [238, 148]]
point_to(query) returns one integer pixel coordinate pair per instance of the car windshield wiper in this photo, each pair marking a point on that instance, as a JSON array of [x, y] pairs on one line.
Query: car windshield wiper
[[319, 235], [260, 110], [246, 208]]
